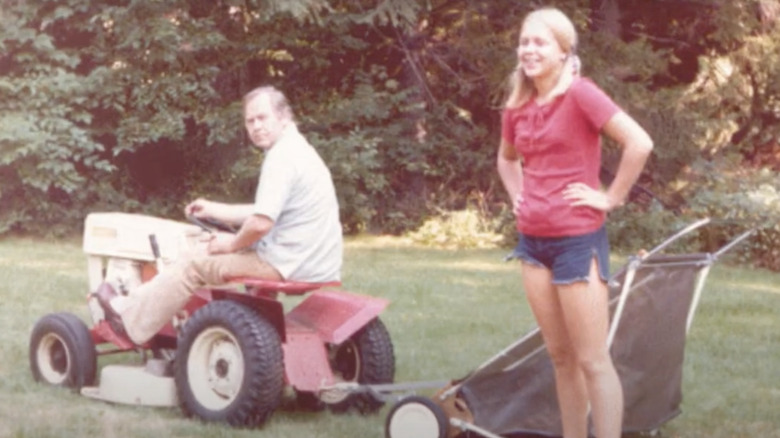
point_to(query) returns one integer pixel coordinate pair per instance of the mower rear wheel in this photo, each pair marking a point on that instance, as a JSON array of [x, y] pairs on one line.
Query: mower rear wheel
[[365, 358], [416, 416], [229, 365], [62, 352]]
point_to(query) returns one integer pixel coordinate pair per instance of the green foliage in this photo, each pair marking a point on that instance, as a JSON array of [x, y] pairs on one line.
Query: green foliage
[[753, 94], [354, 164], [635, 227], [45, 114], [469, 228], [743, 200], [134, 105], [737, 200]]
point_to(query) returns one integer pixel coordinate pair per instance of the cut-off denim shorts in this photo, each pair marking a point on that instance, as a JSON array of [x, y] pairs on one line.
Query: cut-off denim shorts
[[568, 258]]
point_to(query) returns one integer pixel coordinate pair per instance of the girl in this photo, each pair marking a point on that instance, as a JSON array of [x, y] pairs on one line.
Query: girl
[[548, 160]]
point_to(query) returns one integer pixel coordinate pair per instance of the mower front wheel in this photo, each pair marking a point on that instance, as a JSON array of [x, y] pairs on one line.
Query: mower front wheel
[[62, 352], [229, 365]]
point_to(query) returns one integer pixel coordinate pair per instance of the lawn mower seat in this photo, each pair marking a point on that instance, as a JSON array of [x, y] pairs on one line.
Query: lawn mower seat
[[263, 287]]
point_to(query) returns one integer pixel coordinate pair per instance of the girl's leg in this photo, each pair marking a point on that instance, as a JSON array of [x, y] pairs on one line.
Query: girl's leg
[[586, 314], [569, 381]]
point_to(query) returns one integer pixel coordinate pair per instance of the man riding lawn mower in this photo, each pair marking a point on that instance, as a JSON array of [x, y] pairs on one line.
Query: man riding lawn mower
[[224, 353]]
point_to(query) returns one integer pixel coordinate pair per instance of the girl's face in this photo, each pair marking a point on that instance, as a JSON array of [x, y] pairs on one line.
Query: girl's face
[[538, 52]]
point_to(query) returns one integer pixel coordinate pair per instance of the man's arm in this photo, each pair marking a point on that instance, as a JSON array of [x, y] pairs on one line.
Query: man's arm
[[233, 214], [253, 229]]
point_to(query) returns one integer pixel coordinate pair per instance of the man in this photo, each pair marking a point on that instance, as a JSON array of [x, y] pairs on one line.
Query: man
[[291, 232]]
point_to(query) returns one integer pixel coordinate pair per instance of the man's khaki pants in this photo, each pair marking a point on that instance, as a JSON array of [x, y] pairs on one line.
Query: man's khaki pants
[[153, 304]]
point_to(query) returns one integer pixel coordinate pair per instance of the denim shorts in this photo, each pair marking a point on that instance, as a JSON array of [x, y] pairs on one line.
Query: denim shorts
[[569, 257]]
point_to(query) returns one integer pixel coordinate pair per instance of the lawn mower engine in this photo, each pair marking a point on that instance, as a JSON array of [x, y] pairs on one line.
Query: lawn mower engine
[[120, 249]]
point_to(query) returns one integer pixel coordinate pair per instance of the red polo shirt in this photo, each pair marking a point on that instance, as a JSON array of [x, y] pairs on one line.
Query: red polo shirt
[[559, 143]]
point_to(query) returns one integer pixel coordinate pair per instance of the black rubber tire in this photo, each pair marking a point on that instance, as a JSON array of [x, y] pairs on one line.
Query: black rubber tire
[[421, 410], [366, 358], [62, 352], [229, 365], [309, 402]]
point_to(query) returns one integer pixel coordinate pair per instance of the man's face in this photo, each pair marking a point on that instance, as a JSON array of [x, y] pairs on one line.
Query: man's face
[[262, 123]]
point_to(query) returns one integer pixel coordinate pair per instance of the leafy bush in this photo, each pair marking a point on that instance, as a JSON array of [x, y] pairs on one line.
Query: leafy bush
[[468, 228], [634, 227], [741, 201]]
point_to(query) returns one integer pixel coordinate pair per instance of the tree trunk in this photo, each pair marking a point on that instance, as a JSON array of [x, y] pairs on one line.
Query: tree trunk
[[605, 16]]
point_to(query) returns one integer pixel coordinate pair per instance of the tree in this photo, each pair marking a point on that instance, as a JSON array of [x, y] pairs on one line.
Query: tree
[[133, 105], [94, 93]]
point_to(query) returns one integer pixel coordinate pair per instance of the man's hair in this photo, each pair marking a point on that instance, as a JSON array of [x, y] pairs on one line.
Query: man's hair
[[278, 101]]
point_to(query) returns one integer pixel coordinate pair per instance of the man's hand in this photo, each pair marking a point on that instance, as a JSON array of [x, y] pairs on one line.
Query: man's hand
[[199, 208], [221, 243]]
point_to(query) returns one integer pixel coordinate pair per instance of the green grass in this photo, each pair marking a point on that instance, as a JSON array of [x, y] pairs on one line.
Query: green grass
[[450, 311]]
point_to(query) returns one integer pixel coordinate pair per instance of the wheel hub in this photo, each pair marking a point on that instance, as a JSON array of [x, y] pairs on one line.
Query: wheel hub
[[53, 359], [345, 360], [224, 376], [216, 368]]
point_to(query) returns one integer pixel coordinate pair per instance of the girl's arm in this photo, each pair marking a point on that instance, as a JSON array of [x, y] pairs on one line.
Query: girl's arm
[[510, 170], [637, 145]]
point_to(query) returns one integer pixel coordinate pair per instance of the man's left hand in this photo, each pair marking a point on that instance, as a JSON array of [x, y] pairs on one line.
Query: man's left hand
[[221, 244]]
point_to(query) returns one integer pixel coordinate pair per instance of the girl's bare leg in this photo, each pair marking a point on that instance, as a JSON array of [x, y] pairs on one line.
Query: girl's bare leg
[[570, 386], [586, 315]]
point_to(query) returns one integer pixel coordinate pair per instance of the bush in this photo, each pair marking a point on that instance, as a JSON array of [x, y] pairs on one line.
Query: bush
[[634, 227], [741, 201], [469, 228]]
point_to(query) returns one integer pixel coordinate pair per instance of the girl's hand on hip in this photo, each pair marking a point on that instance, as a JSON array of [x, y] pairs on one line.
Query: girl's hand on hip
[[580, 194], [518, 204]]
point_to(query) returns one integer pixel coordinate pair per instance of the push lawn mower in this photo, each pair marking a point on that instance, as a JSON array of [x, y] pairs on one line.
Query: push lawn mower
[[652, 303], [230, 354]]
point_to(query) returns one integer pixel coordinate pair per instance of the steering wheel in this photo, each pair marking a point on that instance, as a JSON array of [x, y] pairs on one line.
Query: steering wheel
[[211, 225]]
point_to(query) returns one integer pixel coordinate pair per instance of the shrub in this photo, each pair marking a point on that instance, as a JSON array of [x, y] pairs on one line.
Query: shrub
[[468, 228], [634, 227], [741, 201]]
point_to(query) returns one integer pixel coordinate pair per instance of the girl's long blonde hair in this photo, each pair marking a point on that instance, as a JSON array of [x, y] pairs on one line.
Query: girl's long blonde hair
[[521, 87]]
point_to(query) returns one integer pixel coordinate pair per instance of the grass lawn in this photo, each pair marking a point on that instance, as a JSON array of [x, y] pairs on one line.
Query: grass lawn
[[450, 311]]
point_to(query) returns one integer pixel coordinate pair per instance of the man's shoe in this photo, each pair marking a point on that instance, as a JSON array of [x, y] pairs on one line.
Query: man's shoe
[[104, 294]]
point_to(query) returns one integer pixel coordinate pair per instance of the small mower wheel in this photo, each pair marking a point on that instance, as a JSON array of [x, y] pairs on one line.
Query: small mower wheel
[[366, 358], [229, 366], [62, 352], [417, 417]]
